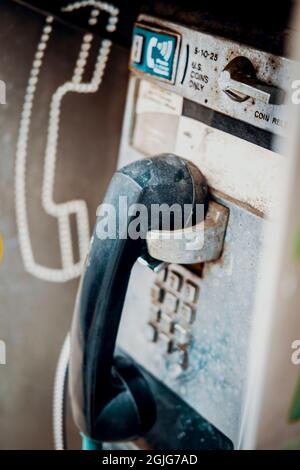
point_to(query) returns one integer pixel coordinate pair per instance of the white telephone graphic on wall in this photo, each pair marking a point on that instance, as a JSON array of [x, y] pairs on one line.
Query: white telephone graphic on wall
[[62, 212]]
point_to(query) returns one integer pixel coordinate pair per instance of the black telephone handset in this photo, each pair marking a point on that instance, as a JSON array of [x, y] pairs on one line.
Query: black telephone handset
[[111, 400]]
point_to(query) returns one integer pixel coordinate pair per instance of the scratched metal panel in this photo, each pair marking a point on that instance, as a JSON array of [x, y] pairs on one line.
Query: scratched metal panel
[[213, 382], [203, 57]]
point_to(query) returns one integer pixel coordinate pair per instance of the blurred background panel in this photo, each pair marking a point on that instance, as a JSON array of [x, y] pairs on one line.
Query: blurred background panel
[[34, 314]]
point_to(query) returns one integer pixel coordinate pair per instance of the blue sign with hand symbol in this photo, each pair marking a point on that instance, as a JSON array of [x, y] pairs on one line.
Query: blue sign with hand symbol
[[153, 52]]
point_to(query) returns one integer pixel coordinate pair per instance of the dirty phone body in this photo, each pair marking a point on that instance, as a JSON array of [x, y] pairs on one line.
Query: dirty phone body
[[188, 326]]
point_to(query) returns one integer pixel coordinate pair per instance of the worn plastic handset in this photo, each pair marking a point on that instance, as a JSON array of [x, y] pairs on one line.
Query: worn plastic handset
[[111, 400]]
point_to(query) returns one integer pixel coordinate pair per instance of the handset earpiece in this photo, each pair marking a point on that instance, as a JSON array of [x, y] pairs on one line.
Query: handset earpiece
[[111, 399]]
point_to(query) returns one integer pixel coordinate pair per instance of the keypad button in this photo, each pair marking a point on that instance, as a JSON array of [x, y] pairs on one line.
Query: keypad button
[[170, 303], [161, 276], [174, 281], [178, 361], [151, 333], [188, 313], [190, 292], [181, 335], [155, 313], [166, 323], [157, 294], [164, 343]]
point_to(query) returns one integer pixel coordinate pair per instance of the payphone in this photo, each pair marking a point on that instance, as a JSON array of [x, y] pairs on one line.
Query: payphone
[[219, 104], [207, 88]]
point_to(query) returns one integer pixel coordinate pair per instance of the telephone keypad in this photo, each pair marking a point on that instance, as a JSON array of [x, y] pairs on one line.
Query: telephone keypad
[[175, 295], [155, 314]]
